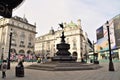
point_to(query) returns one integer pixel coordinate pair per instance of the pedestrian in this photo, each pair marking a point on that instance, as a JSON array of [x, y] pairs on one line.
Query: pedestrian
[[4, 68], [39, 60], [20, 63]]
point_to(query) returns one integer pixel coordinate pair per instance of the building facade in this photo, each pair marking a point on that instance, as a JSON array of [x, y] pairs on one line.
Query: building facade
[[45, 45], [102, 46], [22, 39]]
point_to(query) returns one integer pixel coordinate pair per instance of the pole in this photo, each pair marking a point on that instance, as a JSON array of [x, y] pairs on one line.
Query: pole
[[81, 46], [8, 67], [111, 66], [86, 53], [2, 56], [93, 52]]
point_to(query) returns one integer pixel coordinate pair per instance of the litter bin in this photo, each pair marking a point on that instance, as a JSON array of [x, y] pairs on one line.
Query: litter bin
[[19, 71]]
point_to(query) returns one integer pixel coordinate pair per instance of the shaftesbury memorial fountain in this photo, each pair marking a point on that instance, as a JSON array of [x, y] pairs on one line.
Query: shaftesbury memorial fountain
[[63, 59], [63, 54]]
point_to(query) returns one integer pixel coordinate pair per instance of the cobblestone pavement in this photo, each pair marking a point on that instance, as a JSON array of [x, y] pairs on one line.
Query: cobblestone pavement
[[99, 74]]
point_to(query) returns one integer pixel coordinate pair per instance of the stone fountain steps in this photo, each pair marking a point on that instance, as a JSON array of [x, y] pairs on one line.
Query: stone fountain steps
[[64, 66]]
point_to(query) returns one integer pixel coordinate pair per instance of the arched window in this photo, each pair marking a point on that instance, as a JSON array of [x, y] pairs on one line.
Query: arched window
[[29, 52], [13, 51], [21, 52], [74, 54]]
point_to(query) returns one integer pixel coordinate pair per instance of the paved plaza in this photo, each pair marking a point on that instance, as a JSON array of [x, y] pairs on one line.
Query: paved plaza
[[99, 74]]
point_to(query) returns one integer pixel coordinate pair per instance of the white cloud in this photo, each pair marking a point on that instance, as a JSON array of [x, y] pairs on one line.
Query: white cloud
[[49, 13]]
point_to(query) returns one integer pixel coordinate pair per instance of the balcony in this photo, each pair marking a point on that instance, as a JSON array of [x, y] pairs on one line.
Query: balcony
[[13, 44], [21, 45], [29, 46]]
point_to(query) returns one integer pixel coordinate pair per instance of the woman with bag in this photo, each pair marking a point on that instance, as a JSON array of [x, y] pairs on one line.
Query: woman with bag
[[4, 68]]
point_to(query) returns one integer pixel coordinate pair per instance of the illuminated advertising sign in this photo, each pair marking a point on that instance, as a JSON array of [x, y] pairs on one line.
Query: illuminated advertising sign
[[102, 43], [99, 32], [117, 30]]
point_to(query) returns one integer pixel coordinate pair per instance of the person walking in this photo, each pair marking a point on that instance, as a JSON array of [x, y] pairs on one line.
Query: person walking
[[4, 68]]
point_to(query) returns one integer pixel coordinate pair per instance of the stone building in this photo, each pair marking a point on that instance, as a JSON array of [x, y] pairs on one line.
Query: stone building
[[45, 45], [22, 39]]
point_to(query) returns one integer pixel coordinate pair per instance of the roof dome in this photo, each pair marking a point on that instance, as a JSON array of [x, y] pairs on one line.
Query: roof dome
[[71, 24]]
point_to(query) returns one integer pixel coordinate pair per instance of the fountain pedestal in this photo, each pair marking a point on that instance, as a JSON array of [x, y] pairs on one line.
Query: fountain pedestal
[[63, 54]]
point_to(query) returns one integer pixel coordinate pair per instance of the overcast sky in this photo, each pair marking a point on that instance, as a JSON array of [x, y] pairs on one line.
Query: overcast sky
[[49, 13]]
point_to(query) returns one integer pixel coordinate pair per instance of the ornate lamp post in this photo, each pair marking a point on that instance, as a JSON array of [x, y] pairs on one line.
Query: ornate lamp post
[[8, 67], [111, 66]]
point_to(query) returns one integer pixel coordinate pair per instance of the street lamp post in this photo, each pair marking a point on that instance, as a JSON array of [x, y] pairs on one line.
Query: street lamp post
[[93, 52], [8, 67], [86, 53], [111, 66], [2, 55]]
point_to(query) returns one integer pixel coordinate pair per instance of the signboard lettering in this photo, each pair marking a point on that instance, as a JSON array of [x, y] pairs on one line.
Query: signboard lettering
[[5, 11]]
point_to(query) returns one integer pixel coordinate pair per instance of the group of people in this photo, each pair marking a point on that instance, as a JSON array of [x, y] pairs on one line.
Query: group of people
[[42, 59], [28, 57]]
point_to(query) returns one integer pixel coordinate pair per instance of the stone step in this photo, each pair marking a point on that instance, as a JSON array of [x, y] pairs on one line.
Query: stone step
[[64, 66]]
